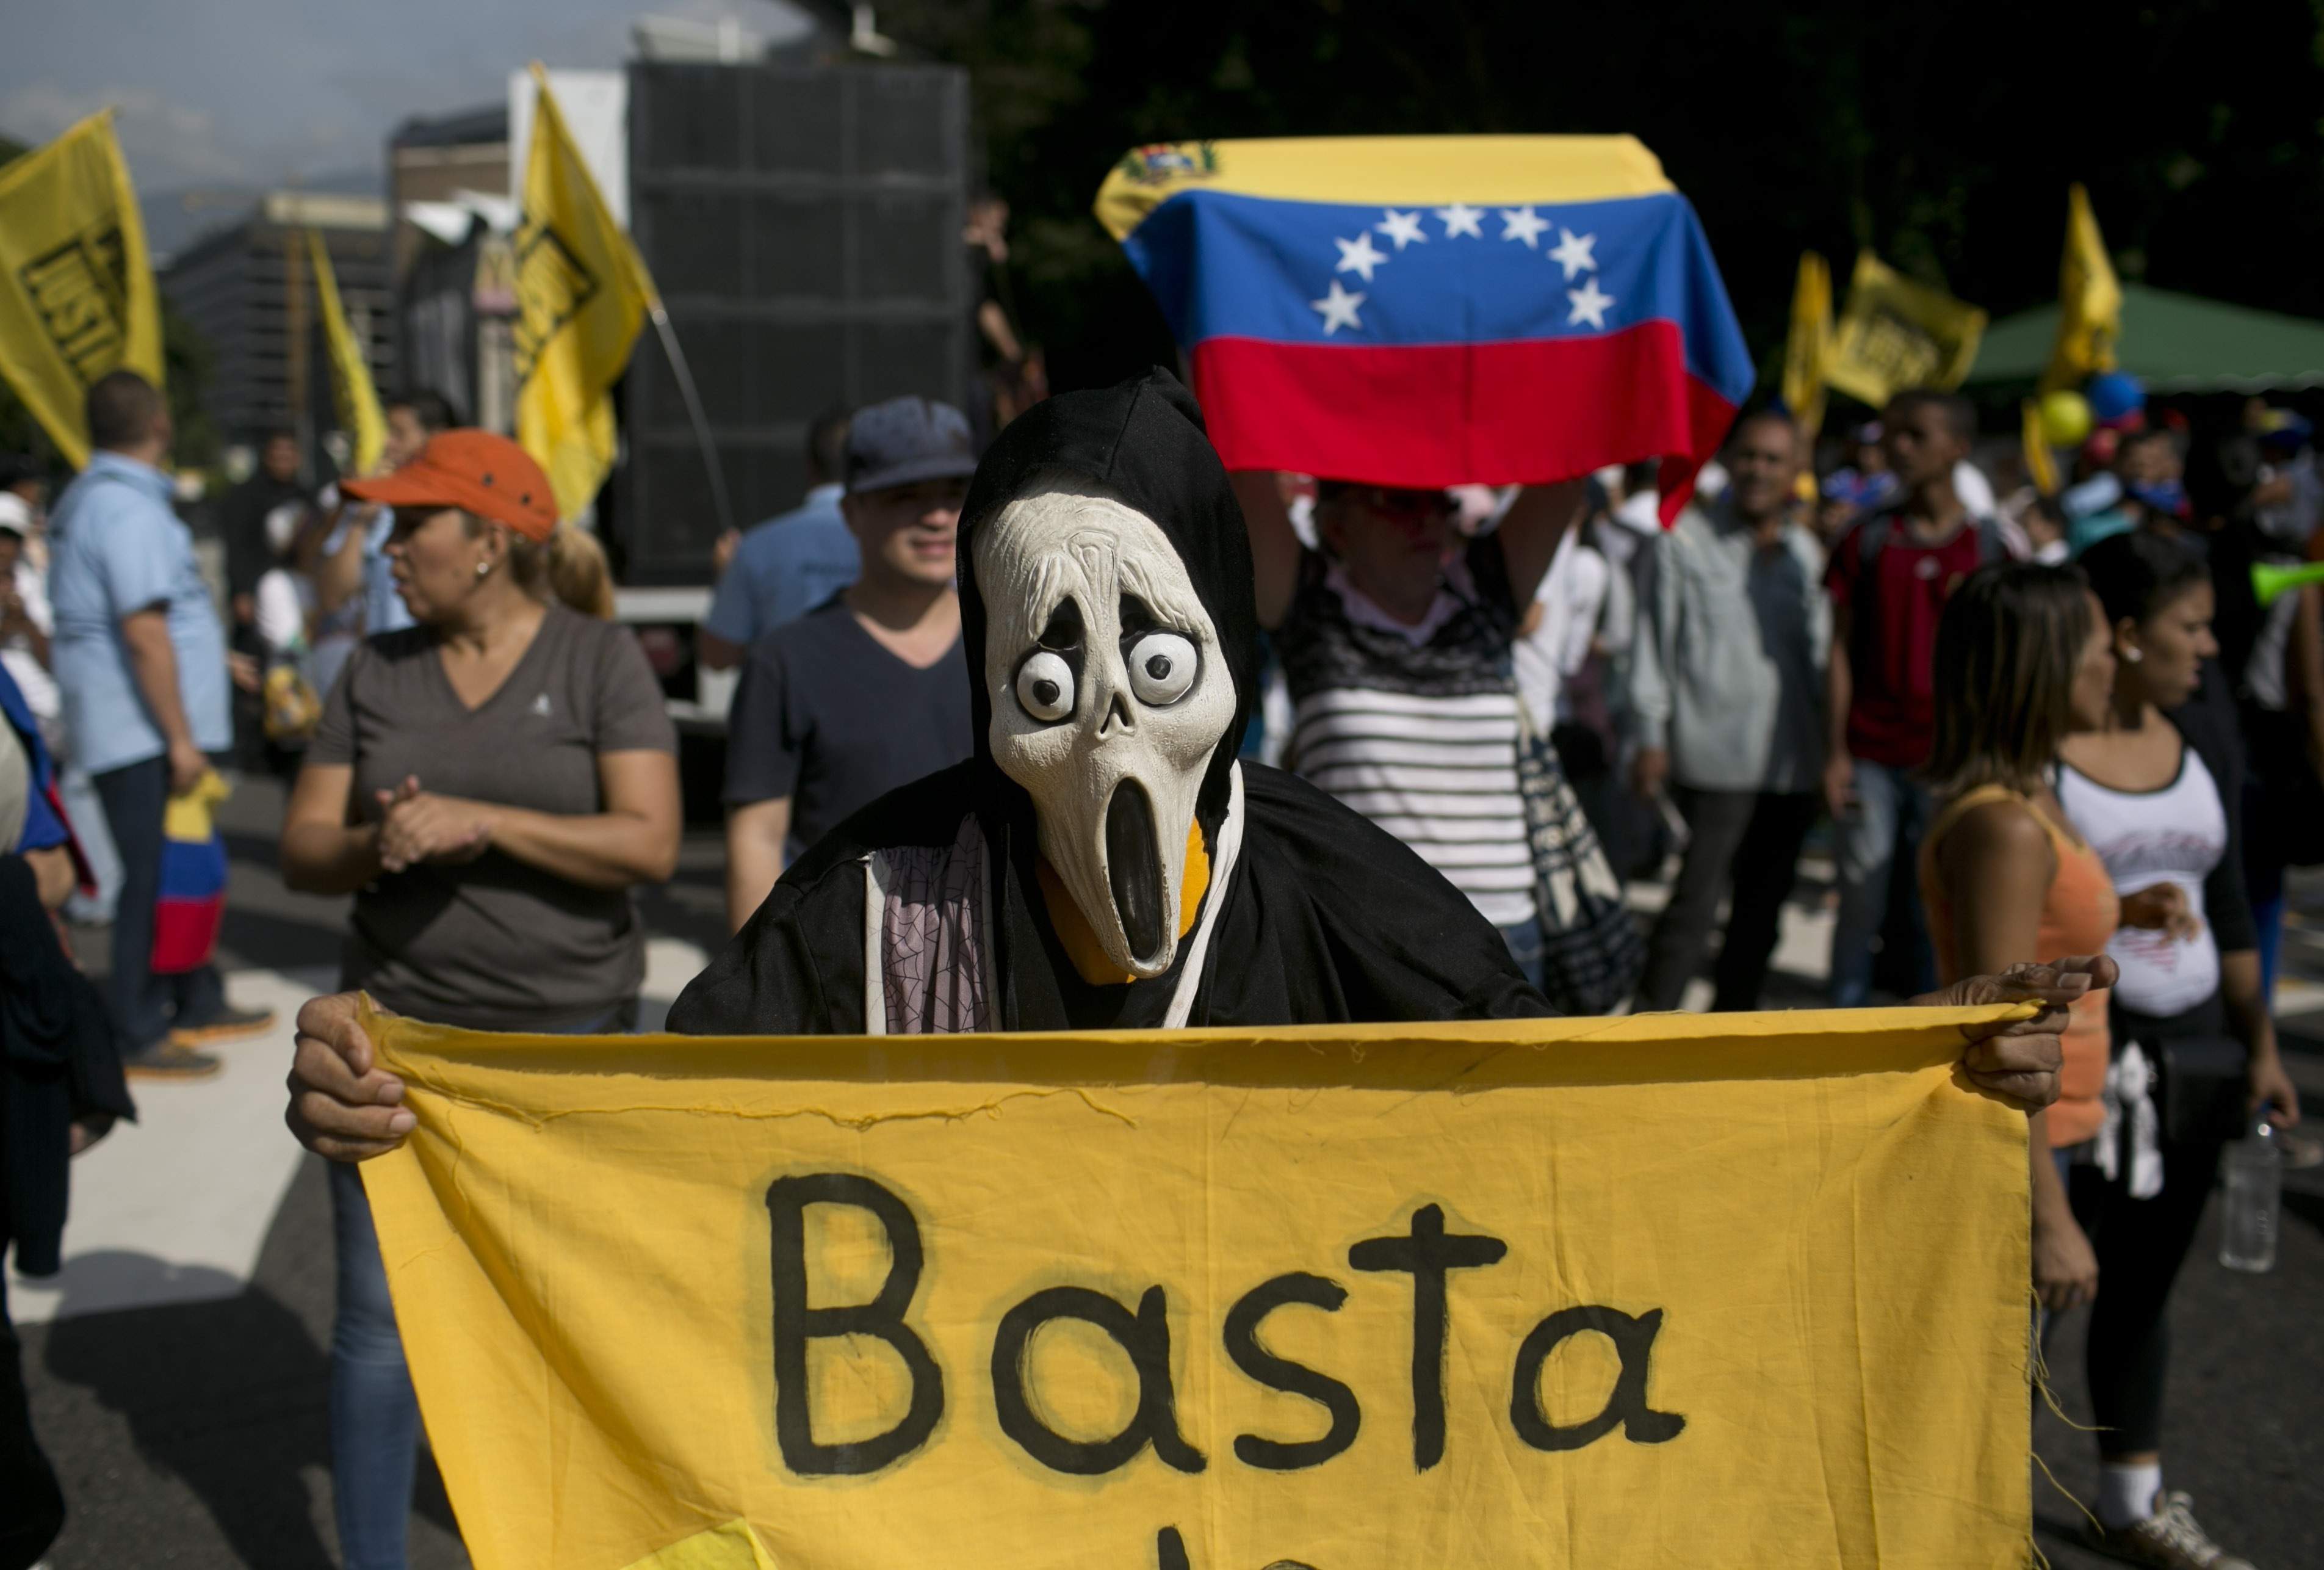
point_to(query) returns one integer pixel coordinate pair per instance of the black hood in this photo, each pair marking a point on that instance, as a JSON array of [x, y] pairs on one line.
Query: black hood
[[1143, 440]]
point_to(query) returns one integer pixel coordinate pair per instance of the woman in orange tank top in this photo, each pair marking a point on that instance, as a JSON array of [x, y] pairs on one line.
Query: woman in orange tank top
[[2024, 659]]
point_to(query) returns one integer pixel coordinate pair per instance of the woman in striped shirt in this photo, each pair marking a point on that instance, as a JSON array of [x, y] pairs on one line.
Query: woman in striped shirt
[[1396, 640]]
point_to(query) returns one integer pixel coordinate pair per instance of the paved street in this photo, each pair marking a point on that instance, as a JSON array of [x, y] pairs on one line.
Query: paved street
[[177, 1365]]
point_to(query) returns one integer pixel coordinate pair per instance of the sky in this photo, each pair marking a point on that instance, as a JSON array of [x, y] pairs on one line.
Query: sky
[[240, 93]]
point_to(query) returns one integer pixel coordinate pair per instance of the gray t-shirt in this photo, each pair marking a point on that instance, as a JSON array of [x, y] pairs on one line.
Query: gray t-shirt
[[495, 944]]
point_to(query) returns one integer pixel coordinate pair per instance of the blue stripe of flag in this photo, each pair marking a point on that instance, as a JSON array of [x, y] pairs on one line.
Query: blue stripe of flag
[[1226, 265]]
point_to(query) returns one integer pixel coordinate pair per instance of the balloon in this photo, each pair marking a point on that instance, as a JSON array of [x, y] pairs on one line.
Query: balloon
[[2114, 395], [2065, 418]]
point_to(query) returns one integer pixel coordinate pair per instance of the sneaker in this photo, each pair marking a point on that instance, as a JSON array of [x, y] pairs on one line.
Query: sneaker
[[2170, 1539], [226, 1025], [170, 1060]]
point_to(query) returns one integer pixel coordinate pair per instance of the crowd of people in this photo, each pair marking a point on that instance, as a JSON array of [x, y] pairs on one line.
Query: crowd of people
[[2023, 729]]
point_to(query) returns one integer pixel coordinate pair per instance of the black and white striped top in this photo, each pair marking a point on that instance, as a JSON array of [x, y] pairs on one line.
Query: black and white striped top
[[1420, 737]]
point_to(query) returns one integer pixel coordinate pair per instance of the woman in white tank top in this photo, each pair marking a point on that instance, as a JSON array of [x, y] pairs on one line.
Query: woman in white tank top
[[2160, 844], [2156, 792]]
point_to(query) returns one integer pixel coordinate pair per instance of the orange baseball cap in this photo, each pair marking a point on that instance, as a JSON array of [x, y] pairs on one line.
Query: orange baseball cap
[[475, 470]]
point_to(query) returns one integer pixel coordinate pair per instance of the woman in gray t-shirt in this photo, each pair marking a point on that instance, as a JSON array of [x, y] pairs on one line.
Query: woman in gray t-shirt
[[489, 784]]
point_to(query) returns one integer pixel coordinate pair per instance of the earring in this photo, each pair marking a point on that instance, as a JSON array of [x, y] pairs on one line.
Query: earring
[[2133, 655], [483, 569]]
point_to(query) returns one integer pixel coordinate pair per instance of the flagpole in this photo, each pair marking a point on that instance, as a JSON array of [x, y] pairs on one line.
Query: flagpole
[[694, 411]]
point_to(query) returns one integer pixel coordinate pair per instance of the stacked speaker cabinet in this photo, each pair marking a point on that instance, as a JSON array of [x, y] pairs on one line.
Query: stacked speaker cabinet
[[804, 227]]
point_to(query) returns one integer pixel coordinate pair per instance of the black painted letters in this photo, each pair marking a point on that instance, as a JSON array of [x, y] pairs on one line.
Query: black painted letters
[[1634, 1341], [1428, 1253], [1145, 1336], [797, 1323], [1294, 1379]]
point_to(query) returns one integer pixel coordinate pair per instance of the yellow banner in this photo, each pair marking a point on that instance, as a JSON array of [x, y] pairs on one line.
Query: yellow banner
[[1713, 1290], [1810, 344], [1896, 334], [350, 385], [582, 292], [76, 293], [2090, 300]]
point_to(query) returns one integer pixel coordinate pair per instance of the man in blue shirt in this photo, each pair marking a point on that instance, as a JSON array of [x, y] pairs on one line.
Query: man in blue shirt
[[141, 664], [788, 565]]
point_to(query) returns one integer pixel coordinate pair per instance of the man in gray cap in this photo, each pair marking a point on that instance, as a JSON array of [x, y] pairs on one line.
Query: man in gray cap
[[870, 691]]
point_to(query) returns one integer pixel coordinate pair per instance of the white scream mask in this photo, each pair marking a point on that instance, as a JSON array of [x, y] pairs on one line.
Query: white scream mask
[[1109, 695]]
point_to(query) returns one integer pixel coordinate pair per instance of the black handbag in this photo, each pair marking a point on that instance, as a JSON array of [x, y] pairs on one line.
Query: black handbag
[[2204, 1087]]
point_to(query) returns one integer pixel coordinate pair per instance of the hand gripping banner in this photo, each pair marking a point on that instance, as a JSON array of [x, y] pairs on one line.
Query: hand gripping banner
[[1711, 1290]]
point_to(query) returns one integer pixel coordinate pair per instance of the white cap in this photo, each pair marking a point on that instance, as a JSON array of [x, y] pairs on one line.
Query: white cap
[[15, 513]]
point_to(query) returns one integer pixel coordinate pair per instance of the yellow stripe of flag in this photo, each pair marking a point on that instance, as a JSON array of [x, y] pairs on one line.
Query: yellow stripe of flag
[[1399, 171]]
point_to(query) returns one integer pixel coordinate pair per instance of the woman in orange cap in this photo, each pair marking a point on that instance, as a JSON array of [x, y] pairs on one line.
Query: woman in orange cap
[[488, 784]]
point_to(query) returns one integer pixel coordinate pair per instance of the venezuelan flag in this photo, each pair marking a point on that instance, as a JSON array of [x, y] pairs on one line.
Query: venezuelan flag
[[1434, 310], [193, 878]]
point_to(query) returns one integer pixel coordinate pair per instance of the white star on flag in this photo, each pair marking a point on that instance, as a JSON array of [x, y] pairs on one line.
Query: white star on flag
[[1573, 253], [1404, 228], [1460, 218], [1589, 304], [1522, 224], [1338, 308], [1357, 255]]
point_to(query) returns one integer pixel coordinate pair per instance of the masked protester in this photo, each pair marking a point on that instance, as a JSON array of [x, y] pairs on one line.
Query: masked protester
[[1102, 860]]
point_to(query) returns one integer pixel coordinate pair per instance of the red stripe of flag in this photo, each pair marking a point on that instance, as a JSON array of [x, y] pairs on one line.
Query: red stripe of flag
[[1525, 413]]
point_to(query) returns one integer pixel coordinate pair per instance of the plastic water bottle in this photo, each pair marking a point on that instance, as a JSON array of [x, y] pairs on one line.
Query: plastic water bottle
[[2254, 1191]]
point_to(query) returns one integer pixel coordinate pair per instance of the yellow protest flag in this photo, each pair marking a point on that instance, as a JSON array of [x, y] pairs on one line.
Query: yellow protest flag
[[582, 292], [351, 382], [1895, 334], [77, 295], [1810, 344], [2090, 300], [1655, 1290], [2040, 463]]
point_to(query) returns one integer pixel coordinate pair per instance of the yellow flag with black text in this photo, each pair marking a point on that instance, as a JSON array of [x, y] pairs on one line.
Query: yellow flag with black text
[[77, 295], [582, 294], [1810, 344], [356, 397], [2090, 300], [1714, 1291], [1896, 334]]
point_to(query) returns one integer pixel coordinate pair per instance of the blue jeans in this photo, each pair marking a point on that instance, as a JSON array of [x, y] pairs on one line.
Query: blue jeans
[[1525, 946], [1872, 844], [374, 1416]]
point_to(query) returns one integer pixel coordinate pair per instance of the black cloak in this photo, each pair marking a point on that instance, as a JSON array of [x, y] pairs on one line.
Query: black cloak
[[1327, 917]]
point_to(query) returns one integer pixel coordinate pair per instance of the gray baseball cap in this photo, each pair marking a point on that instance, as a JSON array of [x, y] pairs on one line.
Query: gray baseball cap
[[906, 440]]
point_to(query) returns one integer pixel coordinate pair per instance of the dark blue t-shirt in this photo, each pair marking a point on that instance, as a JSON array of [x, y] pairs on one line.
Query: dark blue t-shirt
[[826, 715]]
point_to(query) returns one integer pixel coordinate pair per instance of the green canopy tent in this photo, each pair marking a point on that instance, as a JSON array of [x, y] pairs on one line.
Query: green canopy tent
[[2173, 343]]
